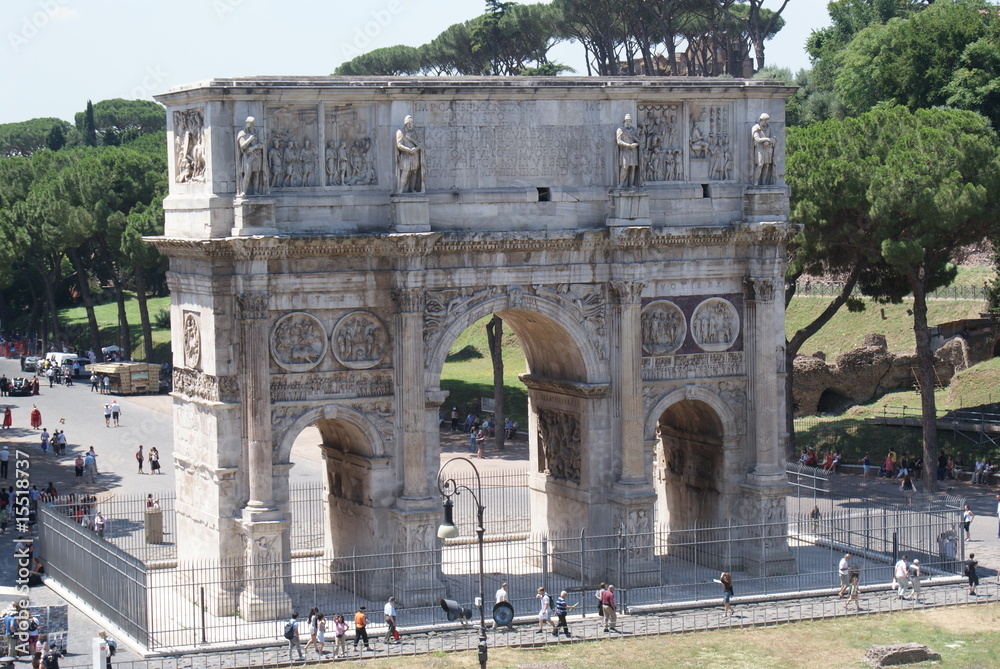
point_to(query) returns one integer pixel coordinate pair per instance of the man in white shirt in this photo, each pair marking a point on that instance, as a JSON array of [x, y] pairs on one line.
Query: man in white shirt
[[844, 569], [389, 613], [902, 573], [501, 595]]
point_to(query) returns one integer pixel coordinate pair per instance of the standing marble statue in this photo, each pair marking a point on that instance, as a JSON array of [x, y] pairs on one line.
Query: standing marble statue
[[763, 142], [250, 179], [409, 160], [628, 155]]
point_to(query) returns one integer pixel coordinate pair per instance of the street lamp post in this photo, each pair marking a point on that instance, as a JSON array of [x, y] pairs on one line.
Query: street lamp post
[[449, 488]]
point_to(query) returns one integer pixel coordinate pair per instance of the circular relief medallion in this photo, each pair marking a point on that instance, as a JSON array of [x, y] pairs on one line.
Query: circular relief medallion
[[298, 342], [192, 340], [359, 340], [715, 324], [663, 327]]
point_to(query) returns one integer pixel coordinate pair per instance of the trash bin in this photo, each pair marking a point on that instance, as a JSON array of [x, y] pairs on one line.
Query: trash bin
[[154, 526]]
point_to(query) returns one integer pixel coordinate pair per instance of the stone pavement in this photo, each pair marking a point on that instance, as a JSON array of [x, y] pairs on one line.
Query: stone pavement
[[147, 420]]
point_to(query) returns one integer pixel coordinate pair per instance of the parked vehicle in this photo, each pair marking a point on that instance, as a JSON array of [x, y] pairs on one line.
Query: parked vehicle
[[20, 388], [31, 364]]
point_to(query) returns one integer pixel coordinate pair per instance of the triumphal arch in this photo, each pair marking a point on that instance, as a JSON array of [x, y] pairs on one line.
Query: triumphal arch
[[329, 238]]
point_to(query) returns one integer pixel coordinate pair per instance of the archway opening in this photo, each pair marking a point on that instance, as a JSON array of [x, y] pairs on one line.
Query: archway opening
[[689, 466], [833, 402]]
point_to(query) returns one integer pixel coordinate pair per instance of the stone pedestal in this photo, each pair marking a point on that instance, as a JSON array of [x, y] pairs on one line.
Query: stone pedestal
[[263, 596], [253, 216], [764, 204], [764, 542], [635, 562], [410, 212], [629, 208]]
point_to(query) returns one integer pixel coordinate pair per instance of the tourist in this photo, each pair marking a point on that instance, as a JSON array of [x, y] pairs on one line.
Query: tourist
[[4, 461], [361, 628], [99, 524], [61, 440], [915, 575], [887, 465], [389, 615], [340, 626], [111, 648], [600, 598], [609, 609], [90, 465], [95, 381], [970, 572], [844, 571], [115, 411], [106, 385], [561, 609], [312, 622], [320, 633], [544, 610], [726, 581], [35, 387], [292, 634], [853, 590], [36, 417], [907, 487], [45, 440], [866, 467], [78, 464], [50, 659], [998, 508], [154, 460], [501, 595], [454, 419], [139, 457], [472, 441], [967, 517], [901, 572], [480, 443], [107, 415]]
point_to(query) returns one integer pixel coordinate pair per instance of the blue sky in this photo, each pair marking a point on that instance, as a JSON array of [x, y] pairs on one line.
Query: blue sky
[[57, 54]]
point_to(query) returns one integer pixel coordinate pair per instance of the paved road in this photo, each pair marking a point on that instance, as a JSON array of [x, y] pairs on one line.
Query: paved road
[[147, 420]]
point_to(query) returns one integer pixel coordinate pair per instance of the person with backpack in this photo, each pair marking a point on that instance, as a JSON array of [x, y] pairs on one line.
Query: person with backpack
[[50, 659], [292, 634], [111, 645], [600, 598]]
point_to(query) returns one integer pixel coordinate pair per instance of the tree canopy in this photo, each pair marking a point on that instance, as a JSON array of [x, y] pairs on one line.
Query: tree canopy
[[25, 137]]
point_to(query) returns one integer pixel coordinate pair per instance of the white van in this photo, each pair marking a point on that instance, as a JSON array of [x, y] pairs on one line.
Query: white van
[[60, 358]]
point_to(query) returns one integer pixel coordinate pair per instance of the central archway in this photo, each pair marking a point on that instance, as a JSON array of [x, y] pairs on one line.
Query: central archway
[[689, 484]]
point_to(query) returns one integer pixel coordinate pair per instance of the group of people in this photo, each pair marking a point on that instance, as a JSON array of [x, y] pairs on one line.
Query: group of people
[[18, 386], [318, 625], [829, 461]]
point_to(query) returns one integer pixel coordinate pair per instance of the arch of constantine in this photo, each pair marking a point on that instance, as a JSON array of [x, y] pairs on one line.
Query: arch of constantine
[[329, 238]]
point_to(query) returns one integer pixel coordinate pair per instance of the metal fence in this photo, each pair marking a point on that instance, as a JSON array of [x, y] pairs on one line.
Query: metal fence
[[833, 288]]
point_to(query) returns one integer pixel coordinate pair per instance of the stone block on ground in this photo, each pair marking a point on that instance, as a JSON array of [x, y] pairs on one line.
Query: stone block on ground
[[899, 653]]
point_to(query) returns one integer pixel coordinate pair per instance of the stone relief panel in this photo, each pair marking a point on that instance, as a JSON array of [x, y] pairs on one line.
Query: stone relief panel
[[298, 342], [693, 366], [663, 327], [192, 339], [380, 414], [715, 324], [559, 439], [350, 147], [443, 306], [321, 386], [636, 523], [292, 156], [359, 340], [735, 397], [710, 140], [189, 146], [200, 386], [662, 152], [485, 143], [588, 302]]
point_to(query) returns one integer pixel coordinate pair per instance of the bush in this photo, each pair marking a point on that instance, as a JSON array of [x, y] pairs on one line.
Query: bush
[[161, 319]]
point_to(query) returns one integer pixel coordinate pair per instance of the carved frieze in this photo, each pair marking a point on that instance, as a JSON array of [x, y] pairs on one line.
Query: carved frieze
[[663, 327], [195, 385], [588, 303], [350, 147], [315, 386], [715, 324], [695, 366], [559, 442], [735, 398], [662, 153], [359, 340], [192, 339], [189, 146], [298, 341], [710, 140], [380, 414], [636, 524], [443, 306], [293, 159]]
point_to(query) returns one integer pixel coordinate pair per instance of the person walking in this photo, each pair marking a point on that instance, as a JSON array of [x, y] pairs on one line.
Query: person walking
[[907, 488], [107, 415], [360, 628], [501, 596], [116, 411], [312, 622], [90, 465], [866, 467], [106, 385], [454, 419], [544, 610], [99, 523], [5, 461], [389, 614], [95, 382], [111, 648], [154, 460], [967, 516], [139, 458], [901, 572], [292, 634], [915, 575], [609, 609], [45, 440], [726, 580], [561, 608], [599, 593], [853, 590], [970, 571], [320, 633], [844, 571]]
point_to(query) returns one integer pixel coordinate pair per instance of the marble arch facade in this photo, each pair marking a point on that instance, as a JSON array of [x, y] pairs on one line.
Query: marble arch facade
[[329, 238]]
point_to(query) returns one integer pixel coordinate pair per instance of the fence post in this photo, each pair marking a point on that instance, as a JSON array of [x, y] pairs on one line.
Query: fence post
[[545, 563], [583, 571], [203, 639]]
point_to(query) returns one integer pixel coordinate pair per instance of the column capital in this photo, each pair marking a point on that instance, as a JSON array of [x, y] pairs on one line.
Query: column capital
[[626, 292], [409, 300], [759, 289], [251, 306]]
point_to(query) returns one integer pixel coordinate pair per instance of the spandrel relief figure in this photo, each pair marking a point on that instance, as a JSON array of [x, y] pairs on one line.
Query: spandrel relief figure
[[342, 165], [290, 156], [699, 147], [628, 155], [409, 159], [661, 157], [361, 166], [331, 163], [763, 142], [190, 147], [307, 163], [250, 147], [663, 328], [276, 164]]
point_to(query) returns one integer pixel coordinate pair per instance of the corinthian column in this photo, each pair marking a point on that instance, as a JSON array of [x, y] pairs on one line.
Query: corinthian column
[[627, 378], [762, 379], [410, 396], [255, 390]]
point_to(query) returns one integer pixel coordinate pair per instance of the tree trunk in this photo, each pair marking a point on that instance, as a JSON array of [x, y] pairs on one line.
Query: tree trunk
[[494, 335], [124, 333], [147, 328], [48, 283], [88, 300], [793, 345], [925, 375]]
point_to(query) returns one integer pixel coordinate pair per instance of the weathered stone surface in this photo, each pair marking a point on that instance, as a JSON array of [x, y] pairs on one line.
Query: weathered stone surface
[[899, 653]]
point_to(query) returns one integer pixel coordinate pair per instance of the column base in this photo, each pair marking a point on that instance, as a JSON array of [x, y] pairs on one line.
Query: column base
[[253, 216], [410, 212], [636, 563], [629, 208], [765, 518], [264, 595], [765, 204]]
